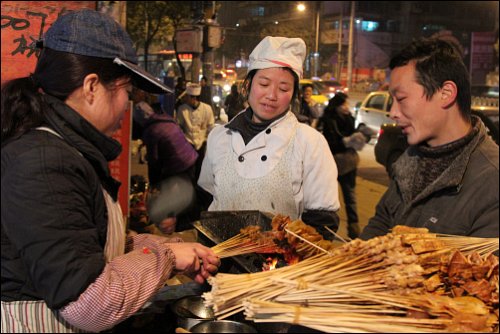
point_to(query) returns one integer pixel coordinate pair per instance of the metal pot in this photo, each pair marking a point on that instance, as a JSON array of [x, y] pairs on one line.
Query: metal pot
[[190, 311], [222, 326]]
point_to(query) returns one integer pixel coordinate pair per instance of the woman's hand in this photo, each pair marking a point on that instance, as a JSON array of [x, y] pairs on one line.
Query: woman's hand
[[194, 260]]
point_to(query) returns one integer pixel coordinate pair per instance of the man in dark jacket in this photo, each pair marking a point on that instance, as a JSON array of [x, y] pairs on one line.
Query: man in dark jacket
[[447, 180]]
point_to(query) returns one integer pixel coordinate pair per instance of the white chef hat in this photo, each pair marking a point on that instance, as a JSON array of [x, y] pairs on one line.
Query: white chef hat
[[193, 89], [279, 52]]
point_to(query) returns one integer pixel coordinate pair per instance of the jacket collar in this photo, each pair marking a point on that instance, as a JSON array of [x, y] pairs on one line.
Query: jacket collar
[[96, 147], [451, 178]]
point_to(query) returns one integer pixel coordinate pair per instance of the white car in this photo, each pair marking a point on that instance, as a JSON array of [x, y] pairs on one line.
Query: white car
[[373, 111]]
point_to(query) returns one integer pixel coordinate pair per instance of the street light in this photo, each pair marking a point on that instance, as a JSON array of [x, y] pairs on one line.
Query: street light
[[301, 8]]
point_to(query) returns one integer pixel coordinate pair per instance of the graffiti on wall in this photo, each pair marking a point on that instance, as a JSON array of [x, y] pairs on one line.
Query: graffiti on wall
[[23, 24]]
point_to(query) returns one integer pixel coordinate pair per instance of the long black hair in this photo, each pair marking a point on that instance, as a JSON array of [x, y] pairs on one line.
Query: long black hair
[[58, 74]]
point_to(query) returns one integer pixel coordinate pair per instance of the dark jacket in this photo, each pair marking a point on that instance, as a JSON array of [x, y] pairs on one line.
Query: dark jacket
[[54, 217], [335, 127], [168, 151], [305, 114], [462, 201]]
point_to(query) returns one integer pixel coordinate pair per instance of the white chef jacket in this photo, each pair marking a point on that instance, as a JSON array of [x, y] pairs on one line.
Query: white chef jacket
[[312, 168], [196, 123]]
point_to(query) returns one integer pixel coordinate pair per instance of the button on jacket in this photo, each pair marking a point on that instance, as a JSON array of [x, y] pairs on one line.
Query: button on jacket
[[312, 169]]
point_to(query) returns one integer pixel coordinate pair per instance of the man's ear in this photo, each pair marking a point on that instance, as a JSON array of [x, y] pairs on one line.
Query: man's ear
[[90, 87], [448, 93]]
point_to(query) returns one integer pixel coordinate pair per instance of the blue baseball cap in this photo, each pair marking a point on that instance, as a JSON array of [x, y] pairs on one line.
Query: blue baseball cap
[[90, 33]]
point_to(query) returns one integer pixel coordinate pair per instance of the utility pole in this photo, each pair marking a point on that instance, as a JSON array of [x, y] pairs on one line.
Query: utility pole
[[338, 73], [351, 42], [196, 63], [316, 41], [208, 50]]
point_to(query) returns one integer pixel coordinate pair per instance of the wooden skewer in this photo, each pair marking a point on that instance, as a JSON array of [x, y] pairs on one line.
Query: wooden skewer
[[335, 234], [307, 241]]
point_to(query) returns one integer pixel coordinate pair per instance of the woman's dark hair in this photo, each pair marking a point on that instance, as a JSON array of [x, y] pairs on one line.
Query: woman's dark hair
[[335, 102], [58, 74], [247, 83], [307, 85], [437, 61]]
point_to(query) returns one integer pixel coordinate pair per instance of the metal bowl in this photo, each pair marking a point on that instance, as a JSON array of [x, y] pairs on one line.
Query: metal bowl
[[222, 326], [190, 311]]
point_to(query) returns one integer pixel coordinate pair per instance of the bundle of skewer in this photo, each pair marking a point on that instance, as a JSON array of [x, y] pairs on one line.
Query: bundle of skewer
[[245, 243], [401, 263], [382, 312], [468, 245]]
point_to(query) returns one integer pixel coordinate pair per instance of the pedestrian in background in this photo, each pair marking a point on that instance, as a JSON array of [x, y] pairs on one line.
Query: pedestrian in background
[[180, 89], [67, 263], [447, 179], [142, 107], [206, 92], [338, 125], [196, 120], [264, 159], [169, 155], [234, 103], [309, 111]]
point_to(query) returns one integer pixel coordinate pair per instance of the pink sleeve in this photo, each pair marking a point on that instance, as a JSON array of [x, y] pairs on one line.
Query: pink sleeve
[[137, 241], [124, 286]]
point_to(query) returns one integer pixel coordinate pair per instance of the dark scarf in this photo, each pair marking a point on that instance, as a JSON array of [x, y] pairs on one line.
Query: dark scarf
[[435, 160], [246, 127], [95, 146]]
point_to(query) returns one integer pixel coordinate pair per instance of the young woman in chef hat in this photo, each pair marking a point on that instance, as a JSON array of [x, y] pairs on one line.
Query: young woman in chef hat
[[264, 159]]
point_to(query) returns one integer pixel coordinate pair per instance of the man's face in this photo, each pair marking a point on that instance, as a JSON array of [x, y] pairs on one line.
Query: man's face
[[422, 120], [192, 101], [307, 94]]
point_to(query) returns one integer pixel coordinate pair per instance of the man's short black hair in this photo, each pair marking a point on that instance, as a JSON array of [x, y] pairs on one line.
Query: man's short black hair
[[437, 61]]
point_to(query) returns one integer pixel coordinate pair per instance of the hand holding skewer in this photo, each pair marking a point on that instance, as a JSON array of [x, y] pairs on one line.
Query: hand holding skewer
[[195, 260]]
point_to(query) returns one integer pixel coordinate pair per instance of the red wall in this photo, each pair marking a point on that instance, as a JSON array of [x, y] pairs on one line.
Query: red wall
[[24, 22]]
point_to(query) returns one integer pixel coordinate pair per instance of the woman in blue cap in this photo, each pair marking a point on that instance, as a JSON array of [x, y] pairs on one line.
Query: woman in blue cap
[[67, 263]]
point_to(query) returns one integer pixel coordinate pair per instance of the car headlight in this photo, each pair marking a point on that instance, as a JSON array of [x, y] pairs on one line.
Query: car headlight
[[227, 87], [326, 102], [216, 99]]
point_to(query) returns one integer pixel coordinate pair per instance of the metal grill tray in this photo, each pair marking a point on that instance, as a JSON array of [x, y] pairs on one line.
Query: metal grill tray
[[219, 226]]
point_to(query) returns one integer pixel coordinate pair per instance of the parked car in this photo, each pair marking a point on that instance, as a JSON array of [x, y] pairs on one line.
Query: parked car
[[367, 86], [485, 91], [373, 111], [391, 142], [331, 87]]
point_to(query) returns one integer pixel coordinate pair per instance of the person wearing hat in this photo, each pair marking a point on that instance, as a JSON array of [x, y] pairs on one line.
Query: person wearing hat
[[338, 127], [196, 120], [264, 159], [67, 263]]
